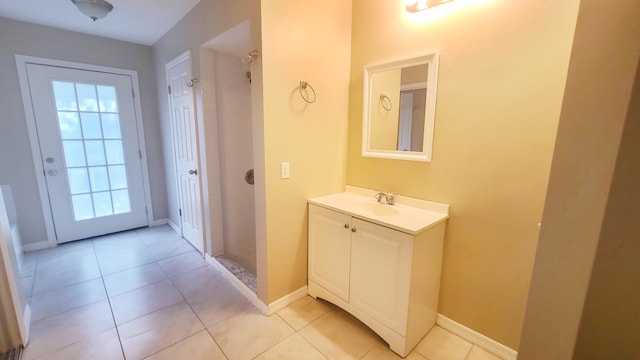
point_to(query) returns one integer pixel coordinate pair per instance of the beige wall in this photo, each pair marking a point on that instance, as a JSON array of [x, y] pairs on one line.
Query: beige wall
[[301, 41], [503, 67], [384, 123], [16, 161], [583, 302]]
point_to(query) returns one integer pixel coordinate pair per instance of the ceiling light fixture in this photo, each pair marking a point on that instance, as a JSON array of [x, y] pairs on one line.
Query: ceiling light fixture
[[95, 9], [419, 5]]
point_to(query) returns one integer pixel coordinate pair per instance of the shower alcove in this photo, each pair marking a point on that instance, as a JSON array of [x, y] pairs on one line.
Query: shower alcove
[[228, 137]]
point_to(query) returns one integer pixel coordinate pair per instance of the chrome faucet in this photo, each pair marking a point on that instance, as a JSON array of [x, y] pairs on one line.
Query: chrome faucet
[[388, 198]]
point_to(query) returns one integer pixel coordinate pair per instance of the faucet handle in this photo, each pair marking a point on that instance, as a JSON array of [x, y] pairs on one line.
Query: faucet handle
[[390, 200]]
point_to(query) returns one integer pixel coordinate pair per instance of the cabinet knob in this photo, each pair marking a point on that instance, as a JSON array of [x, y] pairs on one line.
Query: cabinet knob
[[353, 229], [346, 226]]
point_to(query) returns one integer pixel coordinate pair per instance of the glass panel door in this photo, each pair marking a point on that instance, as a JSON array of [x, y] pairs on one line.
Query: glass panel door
[[89, 124], [88, 138]]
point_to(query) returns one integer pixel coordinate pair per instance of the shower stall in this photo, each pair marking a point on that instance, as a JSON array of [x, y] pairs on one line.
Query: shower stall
[[226, 99]]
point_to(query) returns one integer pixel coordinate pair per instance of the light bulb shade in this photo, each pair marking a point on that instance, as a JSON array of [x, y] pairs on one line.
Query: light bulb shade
[[95, 9]]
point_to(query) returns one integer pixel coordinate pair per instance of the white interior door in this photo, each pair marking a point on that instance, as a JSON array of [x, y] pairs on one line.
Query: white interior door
[[185, 149], [406, 114], [87, 132]]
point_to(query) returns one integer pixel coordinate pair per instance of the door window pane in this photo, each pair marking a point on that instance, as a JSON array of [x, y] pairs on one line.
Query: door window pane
[[102, 203], [95, 152], [91, 128], [118, 177], [87, 100], [74, 153], [111, 126], [69, 125], [82, 206], [114, 152], [78, 180], [121, 201], [65, 94], [99, 178], [108, 100]]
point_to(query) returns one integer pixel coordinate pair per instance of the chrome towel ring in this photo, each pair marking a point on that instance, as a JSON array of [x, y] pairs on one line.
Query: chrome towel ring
[[304, 86], [385, 102], [192, 82], [253, 54]]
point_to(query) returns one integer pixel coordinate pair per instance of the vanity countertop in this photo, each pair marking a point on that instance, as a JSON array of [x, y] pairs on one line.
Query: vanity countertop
[[408, 215]]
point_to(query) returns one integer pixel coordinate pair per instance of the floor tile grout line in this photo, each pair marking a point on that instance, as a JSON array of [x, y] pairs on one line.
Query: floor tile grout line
[[277, 343], [295, 332], [184, 299], [299, 332], [138, 288], [35, 272], [54, 289], [309, 342], [33, 281], [216, 342], [124, 356], [37, 260]]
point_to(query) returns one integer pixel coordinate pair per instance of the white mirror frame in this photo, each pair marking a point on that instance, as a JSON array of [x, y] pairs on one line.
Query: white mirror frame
[[425, 155]]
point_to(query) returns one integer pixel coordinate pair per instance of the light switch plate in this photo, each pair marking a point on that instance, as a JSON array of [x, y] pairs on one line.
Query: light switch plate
[[284, 170]]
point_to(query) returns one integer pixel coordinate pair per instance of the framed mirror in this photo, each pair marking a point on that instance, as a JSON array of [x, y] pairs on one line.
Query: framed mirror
[[399, 108]]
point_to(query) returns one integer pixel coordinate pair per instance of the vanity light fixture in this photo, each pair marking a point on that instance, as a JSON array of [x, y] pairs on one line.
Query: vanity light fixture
[[419, 5], [95, 9]]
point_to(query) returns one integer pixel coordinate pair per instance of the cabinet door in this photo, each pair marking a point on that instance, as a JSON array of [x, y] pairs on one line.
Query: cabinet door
[[330, 250], [380, 273]]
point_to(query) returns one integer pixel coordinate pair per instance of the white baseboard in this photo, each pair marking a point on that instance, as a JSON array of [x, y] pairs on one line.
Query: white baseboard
[[159, 222], [174, 226], [233, 280], [287, 300], [17, 244], [26, 318], [476, 338], [38, 246]]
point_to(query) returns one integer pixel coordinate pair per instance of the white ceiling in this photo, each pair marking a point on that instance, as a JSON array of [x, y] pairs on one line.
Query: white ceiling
[[138, 21]]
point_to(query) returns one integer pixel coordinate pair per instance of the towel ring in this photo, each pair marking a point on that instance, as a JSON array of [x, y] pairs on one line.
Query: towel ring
[[304, 85], [253, 54], [385, 104], [192, 82]]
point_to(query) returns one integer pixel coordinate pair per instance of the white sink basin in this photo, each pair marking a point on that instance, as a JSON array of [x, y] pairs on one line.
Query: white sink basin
[[407, 215], [375, 208]]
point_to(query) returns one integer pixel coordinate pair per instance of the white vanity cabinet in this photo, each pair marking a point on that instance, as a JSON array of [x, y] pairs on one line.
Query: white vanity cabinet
[[330, 244], [387, 278]]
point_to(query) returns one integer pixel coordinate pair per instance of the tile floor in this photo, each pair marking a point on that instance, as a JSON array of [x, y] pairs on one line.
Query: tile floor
[[147, 294]]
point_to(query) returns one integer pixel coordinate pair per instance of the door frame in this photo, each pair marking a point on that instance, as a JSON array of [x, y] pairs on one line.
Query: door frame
[[201, 154], [21, 63]]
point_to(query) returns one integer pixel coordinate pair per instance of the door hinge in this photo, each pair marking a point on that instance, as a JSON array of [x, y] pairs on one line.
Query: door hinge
[[133, 93], [169, 87], [140, 153], [180, 212], [146, 210]]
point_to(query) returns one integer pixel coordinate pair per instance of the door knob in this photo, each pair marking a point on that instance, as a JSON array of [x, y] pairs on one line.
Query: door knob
[[52, 172], [193, 172]]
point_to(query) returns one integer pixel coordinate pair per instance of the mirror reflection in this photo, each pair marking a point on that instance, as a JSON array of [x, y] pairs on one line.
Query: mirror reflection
[[397, 120], [400, 108]]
